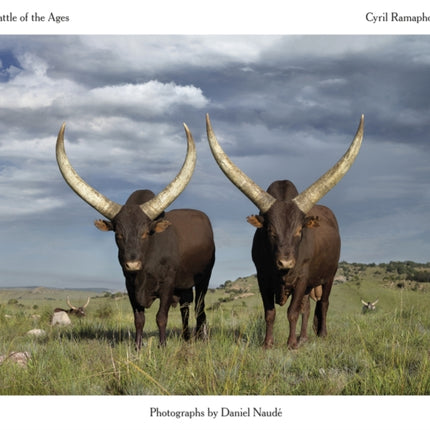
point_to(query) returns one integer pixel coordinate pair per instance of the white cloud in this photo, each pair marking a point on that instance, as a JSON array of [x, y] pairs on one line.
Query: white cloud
[[24, 191], [108, 137], [33, 88], [21, 148], [154, 97]]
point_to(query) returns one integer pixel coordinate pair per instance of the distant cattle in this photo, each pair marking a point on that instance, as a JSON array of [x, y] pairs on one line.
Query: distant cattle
[[61, 316], [21, 358], [368, 306], [37, 332], [162, 254], [296, 244], [78, 311]]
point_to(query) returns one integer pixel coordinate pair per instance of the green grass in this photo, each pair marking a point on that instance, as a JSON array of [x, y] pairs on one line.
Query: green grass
[[385, 352]]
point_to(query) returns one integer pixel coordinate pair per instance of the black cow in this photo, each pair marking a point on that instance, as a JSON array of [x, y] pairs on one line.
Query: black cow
[[162, 254], [296, 245]]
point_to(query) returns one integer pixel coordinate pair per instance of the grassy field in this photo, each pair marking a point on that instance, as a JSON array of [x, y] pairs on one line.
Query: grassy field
[[384, 352]]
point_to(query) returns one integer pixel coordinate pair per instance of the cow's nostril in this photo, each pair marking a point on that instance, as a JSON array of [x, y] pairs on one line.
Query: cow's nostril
[[133, 266], [286, 263]]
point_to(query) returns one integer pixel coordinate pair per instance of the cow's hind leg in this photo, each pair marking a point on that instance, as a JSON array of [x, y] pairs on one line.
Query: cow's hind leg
[[185, 299], [320, 316], [199, 308], [202, 284]]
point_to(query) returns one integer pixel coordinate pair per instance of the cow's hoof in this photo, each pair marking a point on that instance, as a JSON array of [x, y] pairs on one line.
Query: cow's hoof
[[202, 333], [292, 345], [302, 340]]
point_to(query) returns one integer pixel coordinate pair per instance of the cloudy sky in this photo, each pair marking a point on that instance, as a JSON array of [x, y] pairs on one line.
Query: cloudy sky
[[283, 107]]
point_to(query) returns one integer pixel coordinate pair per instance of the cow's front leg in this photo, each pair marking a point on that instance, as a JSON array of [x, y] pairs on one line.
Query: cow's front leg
[[293, 313], [306, 308], [139, 322], [269, 317], [267, 291], [161, 318]]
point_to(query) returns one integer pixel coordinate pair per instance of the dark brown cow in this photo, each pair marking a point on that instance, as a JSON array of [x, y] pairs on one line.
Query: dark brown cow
[[296, 245], [162, 255]]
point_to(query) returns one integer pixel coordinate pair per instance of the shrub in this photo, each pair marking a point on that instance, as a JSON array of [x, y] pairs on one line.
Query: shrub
[[104, 311]]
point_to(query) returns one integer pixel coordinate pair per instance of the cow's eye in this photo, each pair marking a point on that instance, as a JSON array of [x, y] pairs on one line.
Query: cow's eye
[[119, 236], [272, 232], [298, 232]]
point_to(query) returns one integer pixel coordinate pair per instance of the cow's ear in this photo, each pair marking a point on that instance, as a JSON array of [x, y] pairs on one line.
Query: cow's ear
[[256, 220], [160, 226], [311, 222], [103, 225]]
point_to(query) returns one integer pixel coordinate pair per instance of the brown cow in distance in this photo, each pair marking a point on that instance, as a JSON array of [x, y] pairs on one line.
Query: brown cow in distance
[[368, 306], [162, 254], [296, 246], [79, 311], [61, 317]]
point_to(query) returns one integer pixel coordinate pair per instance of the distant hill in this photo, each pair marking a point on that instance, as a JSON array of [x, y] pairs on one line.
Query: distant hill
[[398, 274], [38, 296], [395, 274], [40, 289]]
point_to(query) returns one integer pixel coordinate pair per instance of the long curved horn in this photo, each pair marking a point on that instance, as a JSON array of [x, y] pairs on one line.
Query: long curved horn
[[99, 202], [86, 304], [309, 197], [262, 199], [159, 203], [69, 304], [364, 303]]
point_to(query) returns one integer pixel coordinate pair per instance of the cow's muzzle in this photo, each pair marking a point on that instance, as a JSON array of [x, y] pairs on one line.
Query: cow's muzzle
[[133, 266], [285, 263]]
